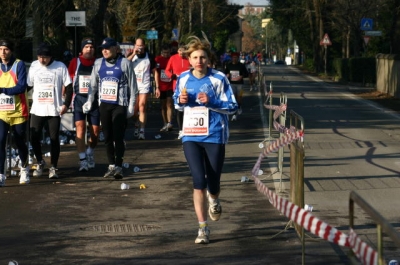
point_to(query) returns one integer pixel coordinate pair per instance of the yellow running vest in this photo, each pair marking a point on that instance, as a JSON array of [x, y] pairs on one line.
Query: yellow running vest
[[13, 109]]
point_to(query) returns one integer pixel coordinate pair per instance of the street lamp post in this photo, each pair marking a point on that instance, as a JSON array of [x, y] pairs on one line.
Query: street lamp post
[[265, 22], [266, 41]]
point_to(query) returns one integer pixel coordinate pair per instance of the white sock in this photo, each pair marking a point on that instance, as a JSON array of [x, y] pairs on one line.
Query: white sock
[[203, 224]]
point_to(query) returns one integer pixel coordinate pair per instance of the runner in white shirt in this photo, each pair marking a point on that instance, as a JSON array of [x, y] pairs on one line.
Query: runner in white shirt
[[143, 64], [47, 77]]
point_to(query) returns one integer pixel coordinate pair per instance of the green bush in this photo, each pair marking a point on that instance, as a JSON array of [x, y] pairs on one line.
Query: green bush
[[340, 67], [357, 70], [309, 64]]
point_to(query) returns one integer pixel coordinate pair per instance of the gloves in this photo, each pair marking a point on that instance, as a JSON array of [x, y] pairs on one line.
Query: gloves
[[87, 106], [130, 111], [173, 77]]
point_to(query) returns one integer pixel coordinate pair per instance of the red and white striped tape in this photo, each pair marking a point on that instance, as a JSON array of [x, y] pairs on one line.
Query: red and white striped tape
[[302, 217], [275, 145], [365, 253]]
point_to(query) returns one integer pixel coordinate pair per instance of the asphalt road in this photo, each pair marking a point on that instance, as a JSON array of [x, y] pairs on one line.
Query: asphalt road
[[83, 218]]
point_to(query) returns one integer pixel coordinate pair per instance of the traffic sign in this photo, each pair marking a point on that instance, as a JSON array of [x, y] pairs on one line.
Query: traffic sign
[[75, 18], [175, 34], [152, 34], [366, 24], [373, 33], [325, 40], [366, 39]]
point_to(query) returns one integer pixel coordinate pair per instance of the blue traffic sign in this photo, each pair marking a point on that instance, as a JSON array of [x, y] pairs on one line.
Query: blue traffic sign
[[152, 34], [175, 34], [366, 24]]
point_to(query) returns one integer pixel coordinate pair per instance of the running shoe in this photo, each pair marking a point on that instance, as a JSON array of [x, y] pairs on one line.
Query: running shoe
[[118, 173], [214, 208], [24, 175], [141, 136], [110, 171], [234, 117], [2, 180], [169, 126], [83, 166], [203, 236], [39, 169], [52, 173], [90, 161], [164, 128]]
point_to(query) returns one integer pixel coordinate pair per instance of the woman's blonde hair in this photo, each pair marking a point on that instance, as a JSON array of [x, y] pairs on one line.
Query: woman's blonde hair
[[196, 44]]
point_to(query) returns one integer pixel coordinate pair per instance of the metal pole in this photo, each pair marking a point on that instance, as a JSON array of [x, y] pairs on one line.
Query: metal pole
[[266, 40], [75, 49], [326, 52]]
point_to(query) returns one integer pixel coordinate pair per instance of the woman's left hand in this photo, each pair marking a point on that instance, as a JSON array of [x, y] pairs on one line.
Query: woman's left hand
[[202, 97]]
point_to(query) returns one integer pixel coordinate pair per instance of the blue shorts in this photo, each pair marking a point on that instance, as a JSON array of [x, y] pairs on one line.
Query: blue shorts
[[205, 162], [93, 117]]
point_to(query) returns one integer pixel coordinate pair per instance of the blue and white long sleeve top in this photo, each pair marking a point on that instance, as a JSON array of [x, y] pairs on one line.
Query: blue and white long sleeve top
[[221, 103]]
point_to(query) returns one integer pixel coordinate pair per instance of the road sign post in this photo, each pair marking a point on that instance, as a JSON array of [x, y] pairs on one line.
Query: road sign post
[[325, 42], [75, 19]]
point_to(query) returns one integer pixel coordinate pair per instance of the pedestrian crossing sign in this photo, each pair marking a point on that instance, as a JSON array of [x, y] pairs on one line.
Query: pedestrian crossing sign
[[325, 40], [366, 24]]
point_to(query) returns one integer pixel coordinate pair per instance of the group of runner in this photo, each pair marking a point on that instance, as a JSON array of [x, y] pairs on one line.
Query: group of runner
[[109, 90]]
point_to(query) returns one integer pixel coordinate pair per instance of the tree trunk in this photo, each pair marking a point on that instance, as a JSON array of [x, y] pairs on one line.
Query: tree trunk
[[97, 23]]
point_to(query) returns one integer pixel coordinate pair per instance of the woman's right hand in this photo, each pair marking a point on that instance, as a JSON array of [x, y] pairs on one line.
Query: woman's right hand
[[183, 98]]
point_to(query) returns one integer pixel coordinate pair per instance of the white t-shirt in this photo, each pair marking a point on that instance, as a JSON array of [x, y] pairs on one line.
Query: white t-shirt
[[47, 82], [142, 70]]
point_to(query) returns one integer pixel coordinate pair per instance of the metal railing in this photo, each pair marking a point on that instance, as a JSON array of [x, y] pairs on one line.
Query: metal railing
[[382, 225]]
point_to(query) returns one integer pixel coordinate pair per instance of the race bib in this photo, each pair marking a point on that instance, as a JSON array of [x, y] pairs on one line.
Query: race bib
[[164, 77], [139, 75], [109, 90], [7, 103], [195, 121], [84, 82], [46, 94], [235, 75]]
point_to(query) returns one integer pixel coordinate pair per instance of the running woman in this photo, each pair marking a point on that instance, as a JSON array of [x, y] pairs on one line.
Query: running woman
[[207, 99]]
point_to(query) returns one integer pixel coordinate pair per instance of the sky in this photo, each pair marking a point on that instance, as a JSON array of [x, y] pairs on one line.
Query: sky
[[253, 2]]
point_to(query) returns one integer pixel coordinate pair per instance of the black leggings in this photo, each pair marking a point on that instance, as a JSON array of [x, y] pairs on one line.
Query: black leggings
[[19, 131], [205, 162], [113, 123], [37, 124]]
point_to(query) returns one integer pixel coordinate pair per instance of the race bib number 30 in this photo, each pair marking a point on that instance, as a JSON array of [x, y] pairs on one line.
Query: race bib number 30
[[195, 121], [7, 103]]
